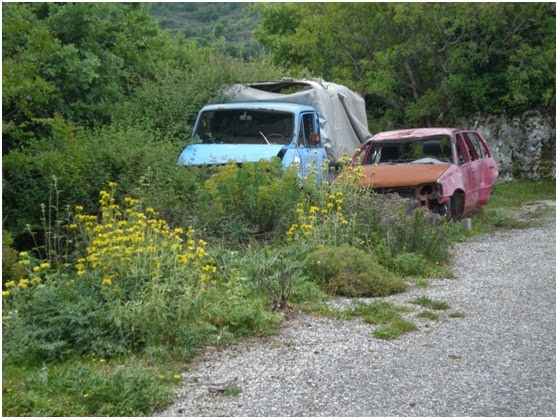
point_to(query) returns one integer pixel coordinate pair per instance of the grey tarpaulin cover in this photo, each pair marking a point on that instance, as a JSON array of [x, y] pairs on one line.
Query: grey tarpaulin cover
[[343, 123]]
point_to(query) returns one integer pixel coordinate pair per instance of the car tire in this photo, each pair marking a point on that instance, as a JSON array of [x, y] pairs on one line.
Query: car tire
[[456, 205]]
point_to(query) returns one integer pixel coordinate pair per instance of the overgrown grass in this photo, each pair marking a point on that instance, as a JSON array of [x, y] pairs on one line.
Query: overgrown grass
[[513, 205], [144, 296], [88, 387]]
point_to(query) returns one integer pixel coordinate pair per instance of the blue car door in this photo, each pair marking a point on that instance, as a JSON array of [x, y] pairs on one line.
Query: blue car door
[[312, 153]]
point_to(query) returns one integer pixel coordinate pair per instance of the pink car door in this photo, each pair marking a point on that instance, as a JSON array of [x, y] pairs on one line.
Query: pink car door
[[470, 171], [487, 168]]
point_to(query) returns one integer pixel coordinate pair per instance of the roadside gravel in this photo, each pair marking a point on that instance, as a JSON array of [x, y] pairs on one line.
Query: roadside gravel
[[498, 360]]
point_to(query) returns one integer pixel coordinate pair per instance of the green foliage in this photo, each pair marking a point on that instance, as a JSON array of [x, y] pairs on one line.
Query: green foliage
[[57, 320], [395, 329], [376, 312], [82, 388], [11, 270], [415, 264], [348, 271], [424, 63], [73, 60], [82, 160], [390, 226], [429, 303], [427, 315], [252, 198], [183, 81], [135, 283], [422, 233]]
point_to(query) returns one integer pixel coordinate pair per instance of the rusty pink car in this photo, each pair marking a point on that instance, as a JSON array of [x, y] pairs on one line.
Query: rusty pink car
[[448, 170]]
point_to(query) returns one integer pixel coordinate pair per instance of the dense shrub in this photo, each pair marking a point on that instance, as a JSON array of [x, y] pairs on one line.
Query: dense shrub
[[11, 270], [345, 270], [392, 226], [252, 198], [134, 283]]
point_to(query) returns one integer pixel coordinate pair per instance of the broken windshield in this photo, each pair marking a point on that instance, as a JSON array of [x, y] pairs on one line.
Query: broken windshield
[[245, 126], [432, 150]]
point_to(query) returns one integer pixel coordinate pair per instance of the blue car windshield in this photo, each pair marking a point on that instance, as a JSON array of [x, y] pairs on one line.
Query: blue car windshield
[[245, 126]]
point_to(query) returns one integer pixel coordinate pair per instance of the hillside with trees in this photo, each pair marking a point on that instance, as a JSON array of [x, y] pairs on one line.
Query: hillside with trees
[[227, 26]]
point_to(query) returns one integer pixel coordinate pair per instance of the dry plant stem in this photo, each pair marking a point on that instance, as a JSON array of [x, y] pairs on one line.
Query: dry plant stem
[[277, 285]]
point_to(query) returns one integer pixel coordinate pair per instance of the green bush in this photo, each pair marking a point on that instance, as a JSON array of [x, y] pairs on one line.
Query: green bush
[[83, 161], [345, 270], [423, 233], [57, 320], [10, 269], [416, 265], [134, 284], [391, 226], [252, 198]]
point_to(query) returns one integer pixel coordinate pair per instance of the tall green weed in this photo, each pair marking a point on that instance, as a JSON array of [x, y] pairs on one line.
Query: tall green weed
[[134, 283], [252, 198]]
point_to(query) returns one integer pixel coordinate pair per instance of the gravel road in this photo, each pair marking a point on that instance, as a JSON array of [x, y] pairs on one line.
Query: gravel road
[[498, 360]]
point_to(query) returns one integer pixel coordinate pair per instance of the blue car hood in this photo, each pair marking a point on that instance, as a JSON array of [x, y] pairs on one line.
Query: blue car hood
[[201, 154]]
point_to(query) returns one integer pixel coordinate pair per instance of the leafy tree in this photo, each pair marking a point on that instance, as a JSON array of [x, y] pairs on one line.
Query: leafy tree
[[422, 63], [71, 59]]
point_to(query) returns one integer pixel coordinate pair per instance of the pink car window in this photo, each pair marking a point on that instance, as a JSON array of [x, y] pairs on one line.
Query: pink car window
[[465, 148], [476, 144]]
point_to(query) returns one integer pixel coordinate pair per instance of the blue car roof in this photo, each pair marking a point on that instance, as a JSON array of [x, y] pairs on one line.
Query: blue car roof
[[276, 106]]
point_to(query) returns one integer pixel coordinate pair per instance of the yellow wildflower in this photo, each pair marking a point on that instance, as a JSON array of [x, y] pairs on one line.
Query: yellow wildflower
[[6, 293]]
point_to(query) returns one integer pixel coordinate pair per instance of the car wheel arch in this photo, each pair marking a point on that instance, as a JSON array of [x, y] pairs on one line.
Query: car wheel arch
[[457, 204]]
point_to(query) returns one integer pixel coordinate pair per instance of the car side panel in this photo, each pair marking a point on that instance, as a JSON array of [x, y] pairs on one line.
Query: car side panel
[[486, 167]]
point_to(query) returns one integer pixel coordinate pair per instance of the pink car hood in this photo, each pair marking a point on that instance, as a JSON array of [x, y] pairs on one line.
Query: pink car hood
[[398, 175]]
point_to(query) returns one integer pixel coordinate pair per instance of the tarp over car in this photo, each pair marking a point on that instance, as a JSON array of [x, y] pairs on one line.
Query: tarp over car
[[342, 112]]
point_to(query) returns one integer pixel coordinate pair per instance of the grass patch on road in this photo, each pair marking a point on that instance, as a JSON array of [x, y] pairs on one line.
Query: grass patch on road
[[376, 312], [429, 303], [395, 329]]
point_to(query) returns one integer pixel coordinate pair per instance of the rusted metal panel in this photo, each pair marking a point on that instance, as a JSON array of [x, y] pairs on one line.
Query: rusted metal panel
[[383, 176]]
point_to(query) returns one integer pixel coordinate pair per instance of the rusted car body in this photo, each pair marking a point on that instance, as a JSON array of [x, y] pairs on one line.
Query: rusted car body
[[448, 170]]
